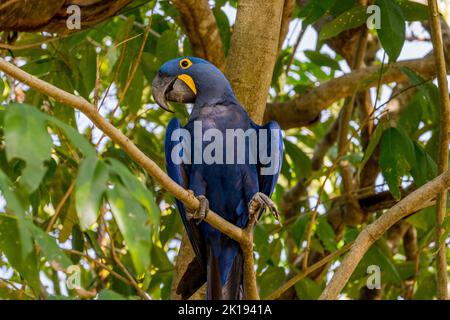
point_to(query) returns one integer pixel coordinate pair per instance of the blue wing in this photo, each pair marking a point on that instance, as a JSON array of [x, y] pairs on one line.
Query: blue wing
[[268, 181], [178, 173]]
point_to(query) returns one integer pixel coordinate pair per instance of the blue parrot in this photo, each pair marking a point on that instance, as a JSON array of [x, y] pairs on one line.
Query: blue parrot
[[236, 187]]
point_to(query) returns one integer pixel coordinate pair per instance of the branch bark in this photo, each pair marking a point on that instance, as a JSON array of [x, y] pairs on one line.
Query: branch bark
[[253, 52], [441, 206], [201, 28], [244, 237], [376, 229], [21, 15], [306, 109]]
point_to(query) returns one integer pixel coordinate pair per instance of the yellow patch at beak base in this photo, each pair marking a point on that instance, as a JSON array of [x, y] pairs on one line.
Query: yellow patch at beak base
[[189, 82]]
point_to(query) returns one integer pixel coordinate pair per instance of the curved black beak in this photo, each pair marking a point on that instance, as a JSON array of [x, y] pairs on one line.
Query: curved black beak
[[167, 88]]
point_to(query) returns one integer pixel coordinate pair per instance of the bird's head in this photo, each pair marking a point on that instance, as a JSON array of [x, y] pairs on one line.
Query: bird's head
[[191, 80]]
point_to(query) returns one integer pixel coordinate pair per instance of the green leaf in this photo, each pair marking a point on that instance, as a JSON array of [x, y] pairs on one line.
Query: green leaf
[[134, 94], [315, 9], [224, 28], [13, 249], [299, 227], [2, 89], [322, 59], [426, 287], [14, 204], [74, 136], [379, 255], [350, 19], [137, 189], [271, 280], [396, 158], [424, 169], [50, 249], [326, 234], [430, 101], [413, 115], [413, 11], [373, 143], [106, 294], [424, 219], [167, 47], [307, 289], [301, 163], [89, 189], [392, 31], [26, 138], [133, 223]]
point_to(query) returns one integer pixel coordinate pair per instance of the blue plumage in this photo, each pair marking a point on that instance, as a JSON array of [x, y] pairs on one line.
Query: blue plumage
[[228, 187]]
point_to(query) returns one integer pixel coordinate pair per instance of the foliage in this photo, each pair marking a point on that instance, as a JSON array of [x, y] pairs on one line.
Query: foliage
[[71, 197]]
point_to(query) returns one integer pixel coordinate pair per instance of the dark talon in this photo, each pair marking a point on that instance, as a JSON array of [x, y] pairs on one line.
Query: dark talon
[[200, 214], [258, 202]]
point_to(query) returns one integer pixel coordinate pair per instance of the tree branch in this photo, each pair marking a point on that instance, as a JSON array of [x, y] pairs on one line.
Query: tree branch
[[441, 206], [305, 109], [253, 52], [244, 237], [376, 229], [201, 28], [291, 282], [20, 15]]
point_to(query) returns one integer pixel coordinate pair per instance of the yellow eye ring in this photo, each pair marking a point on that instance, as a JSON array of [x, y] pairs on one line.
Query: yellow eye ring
[[185, 63]]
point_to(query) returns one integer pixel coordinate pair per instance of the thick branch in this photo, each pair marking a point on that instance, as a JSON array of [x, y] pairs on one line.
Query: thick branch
[[201, 28], [128, 146], [436, 35], [288, 9], [51, 15], [306, 108], [253, 52], [376, 229]]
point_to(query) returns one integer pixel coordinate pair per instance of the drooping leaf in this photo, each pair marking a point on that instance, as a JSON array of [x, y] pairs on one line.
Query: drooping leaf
[[307, 289], [299, 227], [322, 59], [424, 168], [50, 249], [350, 19], [396, 158], [26, 265], [413, 11], [167, 47], [134, 225], [14, 204], [26, 138], [89, 189], [106, 294], [137, 189], [271, 280], [373, 143], [301, 163], [392, 31], [315, 9], [326, 234]]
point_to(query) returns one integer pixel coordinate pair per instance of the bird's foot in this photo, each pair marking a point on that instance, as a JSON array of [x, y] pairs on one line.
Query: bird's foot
[[260, 201], [200, 214]]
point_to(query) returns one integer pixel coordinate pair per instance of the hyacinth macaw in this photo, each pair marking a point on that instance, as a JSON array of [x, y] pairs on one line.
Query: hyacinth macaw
[[234, 191]]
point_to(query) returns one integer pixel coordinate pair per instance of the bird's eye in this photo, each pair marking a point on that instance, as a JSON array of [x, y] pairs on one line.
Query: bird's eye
[[185, 63]]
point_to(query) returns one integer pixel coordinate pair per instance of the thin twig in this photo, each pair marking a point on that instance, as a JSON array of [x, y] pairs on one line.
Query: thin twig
[[59, 207], [117, 260], [302, 274], [130, 79], [100, 264]]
